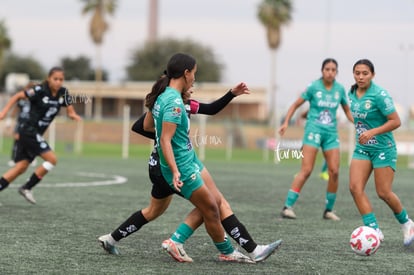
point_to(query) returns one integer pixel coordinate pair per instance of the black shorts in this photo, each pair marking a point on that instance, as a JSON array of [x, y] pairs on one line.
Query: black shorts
[[30, 146], [160, 187]]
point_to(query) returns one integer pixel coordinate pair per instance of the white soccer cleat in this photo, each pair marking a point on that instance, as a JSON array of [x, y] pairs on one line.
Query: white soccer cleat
[[408, 232], [288, 213], [329, 215], [235, 257], [108, 244], [262, 252], [176, 250], [27, 194]]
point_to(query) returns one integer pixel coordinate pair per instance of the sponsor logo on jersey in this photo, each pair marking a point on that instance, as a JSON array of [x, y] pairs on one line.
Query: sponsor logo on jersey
[[176, 111]]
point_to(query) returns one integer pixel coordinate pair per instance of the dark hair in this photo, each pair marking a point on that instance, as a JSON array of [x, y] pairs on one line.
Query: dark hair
[[52, 71], [362, 62], [329, 60], [55, 69], [176, 67]]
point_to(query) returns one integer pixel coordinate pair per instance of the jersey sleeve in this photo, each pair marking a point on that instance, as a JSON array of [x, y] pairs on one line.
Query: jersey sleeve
[[385, 103], [307, 94], [67, 99], [33, 92], [173, 110]]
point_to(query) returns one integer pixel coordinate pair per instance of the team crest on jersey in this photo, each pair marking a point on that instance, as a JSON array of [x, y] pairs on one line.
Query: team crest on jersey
[[176, 111], [319, 94], [61, 100], [368, 104]]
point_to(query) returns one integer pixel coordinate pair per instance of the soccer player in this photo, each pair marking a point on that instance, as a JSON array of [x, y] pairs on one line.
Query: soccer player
[[46, 99], [324, 95], [162, 194], [375, 117]]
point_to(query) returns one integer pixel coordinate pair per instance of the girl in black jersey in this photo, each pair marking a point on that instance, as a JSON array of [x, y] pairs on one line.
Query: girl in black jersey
[[46, 99]]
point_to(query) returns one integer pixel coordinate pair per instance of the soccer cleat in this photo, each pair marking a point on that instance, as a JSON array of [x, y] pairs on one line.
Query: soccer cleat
[[329, 215], [107, 245], [324, 176], [288, 213], [176, 250], [235, 257], [380, 234], [262, 252], [27, 194], [408, 232]]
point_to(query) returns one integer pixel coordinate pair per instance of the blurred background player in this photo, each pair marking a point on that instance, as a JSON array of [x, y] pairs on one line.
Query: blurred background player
[[324, 95], [23, 109], [46, 99], [375, 118]]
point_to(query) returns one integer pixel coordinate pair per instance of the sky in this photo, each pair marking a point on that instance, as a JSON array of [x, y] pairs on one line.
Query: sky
[[347, 30]]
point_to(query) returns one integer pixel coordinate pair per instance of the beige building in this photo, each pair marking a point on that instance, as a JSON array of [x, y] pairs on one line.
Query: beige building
[[87, 97]]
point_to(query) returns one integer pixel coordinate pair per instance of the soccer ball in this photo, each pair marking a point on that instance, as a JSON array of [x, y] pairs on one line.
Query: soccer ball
[[364, 241]]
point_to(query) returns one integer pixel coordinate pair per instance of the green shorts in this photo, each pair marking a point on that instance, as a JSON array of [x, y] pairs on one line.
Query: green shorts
[[322, 139], [190, 176], [379, 159]]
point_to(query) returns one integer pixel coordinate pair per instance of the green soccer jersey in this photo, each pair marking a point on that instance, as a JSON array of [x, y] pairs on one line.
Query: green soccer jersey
[[323, 105], [371, 111], [169, 107]]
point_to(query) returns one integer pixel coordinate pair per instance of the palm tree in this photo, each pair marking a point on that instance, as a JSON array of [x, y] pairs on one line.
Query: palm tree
[[97, 28], [5, 43], [273, 14]]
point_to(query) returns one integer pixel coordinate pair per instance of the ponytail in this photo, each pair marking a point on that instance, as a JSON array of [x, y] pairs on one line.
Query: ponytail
[[157, 89]]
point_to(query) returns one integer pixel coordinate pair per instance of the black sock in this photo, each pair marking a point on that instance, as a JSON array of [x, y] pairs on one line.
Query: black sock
[[34, 179], [132, 224], [3, 183], [239, 233]]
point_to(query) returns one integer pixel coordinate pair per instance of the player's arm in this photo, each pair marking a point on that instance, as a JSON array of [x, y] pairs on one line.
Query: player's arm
[[168, 131], [149, 124], [290, 113], [219, 104], [347, 112], [392, 123], [71, 113], [12, 101], [138, 127]]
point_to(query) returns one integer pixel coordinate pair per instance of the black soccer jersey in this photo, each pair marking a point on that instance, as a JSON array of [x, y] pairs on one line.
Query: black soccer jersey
[[43, 108]]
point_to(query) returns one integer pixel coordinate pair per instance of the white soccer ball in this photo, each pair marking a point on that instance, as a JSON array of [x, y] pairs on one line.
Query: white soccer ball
[[364, 241]]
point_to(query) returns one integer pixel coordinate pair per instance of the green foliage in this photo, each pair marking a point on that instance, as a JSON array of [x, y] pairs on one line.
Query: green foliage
[[79, 68], [148, 63], [274, 13], [23, 64]]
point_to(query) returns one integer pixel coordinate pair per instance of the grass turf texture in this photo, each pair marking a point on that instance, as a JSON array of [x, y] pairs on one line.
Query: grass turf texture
[[59, 234]]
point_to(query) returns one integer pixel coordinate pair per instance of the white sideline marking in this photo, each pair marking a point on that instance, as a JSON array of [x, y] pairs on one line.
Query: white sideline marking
[[113, 179]]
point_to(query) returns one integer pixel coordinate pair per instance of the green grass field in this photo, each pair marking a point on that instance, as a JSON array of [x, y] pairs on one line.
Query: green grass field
[[59, 234]]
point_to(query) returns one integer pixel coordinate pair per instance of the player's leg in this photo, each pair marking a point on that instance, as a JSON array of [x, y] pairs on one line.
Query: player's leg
[[324, 171], [384, 177], [332, 160], [308, 162], [359, 172]]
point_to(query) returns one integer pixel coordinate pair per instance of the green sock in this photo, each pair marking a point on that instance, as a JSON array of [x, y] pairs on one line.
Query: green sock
[[225, 247], [291, 198], [370, 220], [330, 201], [182, 233], [402, 217], [324, 167]]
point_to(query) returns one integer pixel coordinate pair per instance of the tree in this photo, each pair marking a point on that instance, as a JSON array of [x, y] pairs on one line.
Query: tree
[[23, 64], [273, 14], [97, 29], [148, 63], [79, 68], [5, 44]]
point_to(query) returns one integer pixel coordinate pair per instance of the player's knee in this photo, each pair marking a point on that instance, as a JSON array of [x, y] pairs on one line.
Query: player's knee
[[384, 195], [48, 165]]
